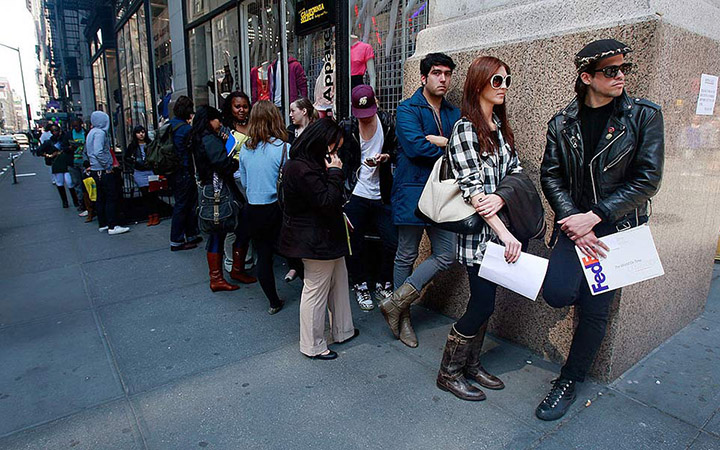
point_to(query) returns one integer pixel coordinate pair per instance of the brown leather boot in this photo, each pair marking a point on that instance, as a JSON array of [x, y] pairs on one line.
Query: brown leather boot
[[474, 370], [393, 306], [151, 220], [238, 267], [217, 282], [407, 334], [450, 377]]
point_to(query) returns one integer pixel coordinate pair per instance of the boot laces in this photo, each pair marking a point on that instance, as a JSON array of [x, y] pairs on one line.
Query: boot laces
[[557, 392]]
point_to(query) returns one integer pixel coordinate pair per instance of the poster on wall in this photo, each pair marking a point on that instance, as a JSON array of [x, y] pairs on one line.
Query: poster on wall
[[314, 15], [707, 95]]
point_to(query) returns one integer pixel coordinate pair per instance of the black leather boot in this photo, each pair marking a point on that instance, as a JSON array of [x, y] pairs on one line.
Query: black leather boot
[[450, 377], [474, 370], [63, 196], [393, 306], [74, 196], [558, 400]]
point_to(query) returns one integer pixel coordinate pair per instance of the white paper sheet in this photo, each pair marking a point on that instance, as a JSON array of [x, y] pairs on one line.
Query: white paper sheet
[[524, 276], [632, 258], [707, 95]]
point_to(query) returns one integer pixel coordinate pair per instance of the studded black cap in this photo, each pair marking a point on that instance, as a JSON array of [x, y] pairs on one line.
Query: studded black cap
[[597, 50]]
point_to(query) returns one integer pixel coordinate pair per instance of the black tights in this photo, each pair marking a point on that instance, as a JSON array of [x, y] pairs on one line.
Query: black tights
[[151, 200], [480, 306]]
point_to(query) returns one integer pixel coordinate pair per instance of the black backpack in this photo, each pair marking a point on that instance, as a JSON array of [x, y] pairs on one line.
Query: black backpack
[[161, 155]]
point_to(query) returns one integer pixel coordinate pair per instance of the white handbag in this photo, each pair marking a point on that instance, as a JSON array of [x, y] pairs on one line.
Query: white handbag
[[442, 205]]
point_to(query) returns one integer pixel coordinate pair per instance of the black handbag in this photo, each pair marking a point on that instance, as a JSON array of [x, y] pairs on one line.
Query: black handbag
[[217, 208]]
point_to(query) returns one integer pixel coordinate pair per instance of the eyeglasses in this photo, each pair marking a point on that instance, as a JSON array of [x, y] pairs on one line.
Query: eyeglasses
[[498, 81], [612, 71]]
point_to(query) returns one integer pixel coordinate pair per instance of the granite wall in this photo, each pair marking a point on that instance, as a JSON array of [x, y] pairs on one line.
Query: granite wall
[[686, 213]]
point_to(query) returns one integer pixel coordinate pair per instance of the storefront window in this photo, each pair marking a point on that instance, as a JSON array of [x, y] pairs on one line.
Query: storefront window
[[198, 8], [99, 84], [315, 53], [199, 41], [391, 33], [162, 55], [226, 55], [113, 84], [264, 50], [134, 66]]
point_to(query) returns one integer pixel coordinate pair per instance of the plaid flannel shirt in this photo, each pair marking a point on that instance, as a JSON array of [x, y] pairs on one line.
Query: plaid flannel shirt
[[477, 172]]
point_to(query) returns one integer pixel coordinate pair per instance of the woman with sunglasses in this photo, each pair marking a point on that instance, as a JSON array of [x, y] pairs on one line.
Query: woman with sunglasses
[[481, 149], [315, 231]]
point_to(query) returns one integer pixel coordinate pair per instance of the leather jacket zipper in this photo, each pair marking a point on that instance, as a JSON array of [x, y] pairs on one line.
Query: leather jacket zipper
[[592, 177], [617, 160]]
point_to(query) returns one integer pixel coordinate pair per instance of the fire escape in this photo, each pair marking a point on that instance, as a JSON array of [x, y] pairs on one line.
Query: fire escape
[[66, 19]]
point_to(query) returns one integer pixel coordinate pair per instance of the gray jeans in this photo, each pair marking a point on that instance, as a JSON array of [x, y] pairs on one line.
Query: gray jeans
[[444, 247]]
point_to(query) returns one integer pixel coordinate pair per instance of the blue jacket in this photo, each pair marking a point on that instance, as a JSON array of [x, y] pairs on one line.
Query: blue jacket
[[180, 134], [258, 171], [415, 155]]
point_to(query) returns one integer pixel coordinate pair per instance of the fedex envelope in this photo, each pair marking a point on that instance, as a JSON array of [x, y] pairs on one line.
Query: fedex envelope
[[632, 258]]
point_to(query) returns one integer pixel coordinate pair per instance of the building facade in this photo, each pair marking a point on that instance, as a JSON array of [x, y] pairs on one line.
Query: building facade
[[673, 46]]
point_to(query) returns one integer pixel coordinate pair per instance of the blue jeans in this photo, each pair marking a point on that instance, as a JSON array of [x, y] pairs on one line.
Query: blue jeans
[[444, 248], [362, 212], [184, 222]]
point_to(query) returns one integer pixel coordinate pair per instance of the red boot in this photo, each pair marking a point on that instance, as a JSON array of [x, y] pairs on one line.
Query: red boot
[[238, 268], [217, 282]]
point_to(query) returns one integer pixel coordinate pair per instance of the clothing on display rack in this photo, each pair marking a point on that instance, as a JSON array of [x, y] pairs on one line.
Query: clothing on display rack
[[362, 60]]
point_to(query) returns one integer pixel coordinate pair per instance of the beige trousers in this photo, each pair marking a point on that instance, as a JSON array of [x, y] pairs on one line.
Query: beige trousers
[[326, 287]]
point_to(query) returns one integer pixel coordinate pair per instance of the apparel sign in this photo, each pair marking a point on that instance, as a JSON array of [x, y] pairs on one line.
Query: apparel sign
[[314, 15]]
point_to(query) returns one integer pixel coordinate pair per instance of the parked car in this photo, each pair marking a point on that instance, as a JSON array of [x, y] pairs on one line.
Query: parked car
[[9, 143], [22, 140]]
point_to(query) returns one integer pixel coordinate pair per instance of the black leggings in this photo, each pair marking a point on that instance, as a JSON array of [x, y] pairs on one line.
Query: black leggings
[[481, 304], [151, 200], [264, 226]]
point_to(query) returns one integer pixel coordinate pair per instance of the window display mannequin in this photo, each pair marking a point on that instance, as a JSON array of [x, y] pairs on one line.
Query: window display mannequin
[[260, 82], [297, 81], [362, 59]]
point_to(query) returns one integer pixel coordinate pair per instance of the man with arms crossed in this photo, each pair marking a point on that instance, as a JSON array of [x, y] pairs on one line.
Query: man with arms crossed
[[603, 162], [424, 122]]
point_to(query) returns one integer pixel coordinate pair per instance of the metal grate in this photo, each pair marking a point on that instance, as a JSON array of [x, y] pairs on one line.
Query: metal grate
[[389, 64]]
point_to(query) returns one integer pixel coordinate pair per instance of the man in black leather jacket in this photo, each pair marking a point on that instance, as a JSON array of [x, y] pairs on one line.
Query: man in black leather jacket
[[603, 162], [368, 153]]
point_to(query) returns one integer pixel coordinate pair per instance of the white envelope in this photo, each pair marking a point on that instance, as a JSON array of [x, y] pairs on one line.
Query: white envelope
[[632, 258], [525, 276]]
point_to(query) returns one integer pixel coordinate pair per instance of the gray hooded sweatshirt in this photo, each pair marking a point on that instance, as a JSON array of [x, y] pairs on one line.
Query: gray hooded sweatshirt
[[97, 143]]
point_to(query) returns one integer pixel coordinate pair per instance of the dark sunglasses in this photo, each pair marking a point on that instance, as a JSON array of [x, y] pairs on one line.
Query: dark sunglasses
[[612, 71], [498, 81]]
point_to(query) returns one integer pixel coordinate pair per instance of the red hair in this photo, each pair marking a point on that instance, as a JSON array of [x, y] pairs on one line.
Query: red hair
[[478, 78]]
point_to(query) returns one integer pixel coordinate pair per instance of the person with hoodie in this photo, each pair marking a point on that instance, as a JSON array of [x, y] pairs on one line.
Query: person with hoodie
[[135, 159], [97, 146]]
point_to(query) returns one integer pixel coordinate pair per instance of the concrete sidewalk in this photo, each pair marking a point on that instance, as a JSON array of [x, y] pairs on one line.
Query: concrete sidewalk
[[115, 342]]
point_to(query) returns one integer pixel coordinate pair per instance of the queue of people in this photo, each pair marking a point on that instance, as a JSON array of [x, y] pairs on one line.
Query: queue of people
[[314, 193]]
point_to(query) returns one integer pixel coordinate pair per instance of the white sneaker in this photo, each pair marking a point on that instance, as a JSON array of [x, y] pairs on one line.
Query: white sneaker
[[118, 230], [83, 214], [102, 229], [363, 297], [383, 292]]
